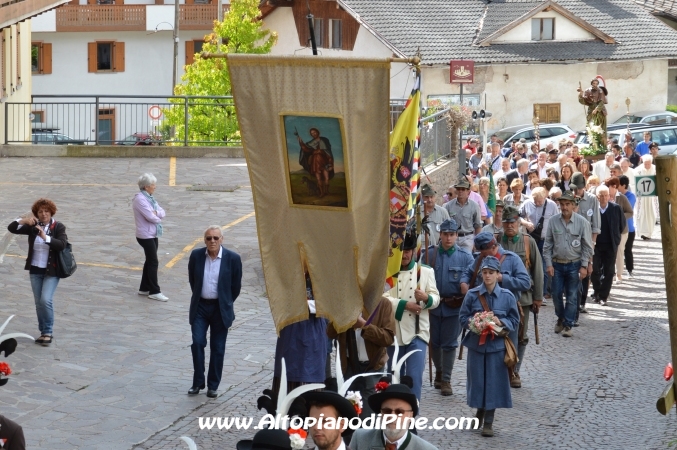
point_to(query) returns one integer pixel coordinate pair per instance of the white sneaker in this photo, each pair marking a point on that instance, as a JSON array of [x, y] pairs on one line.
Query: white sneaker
[[144, 292], [159, 297]]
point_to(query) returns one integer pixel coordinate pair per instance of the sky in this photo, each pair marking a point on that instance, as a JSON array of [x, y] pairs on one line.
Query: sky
[[329, 128]]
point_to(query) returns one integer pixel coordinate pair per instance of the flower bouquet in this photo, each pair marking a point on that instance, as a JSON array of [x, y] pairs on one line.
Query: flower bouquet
[[297, 438], [484, 325], [355, 398], [595, 140]]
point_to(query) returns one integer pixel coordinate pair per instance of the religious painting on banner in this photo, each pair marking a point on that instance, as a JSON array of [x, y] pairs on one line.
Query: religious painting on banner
[[315, 134], [317, 175]]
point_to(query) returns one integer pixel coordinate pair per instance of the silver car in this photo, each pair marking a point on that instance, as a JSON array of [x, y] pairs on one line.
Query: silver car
[[665, 136], [649, 117], [548, 132]]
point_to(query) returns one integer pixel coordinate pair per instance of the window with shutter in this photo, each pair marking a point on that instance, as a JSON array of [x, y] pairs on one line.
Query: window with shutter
[[18, 54], [118, 57]]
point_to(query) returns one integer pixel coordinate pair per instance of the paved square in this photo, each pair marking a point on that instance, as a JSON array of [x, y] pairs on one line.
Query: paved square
[[117, 375]]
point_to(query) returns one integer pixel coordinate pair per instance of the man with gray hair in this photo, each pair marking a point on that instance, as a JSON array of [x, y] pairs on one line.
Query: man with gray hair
[[602, 168], [215, 277], [519, 172]]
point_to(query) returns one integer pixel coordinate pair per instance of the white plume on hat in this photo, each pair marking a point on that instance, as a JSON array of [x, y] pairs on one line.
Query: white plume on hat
[[397, 364], [5, 337]]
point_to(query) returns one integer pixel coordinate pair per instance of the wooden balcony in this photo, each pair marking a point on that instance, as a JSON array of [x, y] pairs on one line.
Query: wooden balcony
[[101, 18], [198, 17], [19, 10]]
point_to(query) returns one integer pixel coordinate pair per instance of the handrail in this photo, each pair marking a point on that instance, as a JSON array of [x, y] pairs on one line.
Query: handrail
[[436, 115]]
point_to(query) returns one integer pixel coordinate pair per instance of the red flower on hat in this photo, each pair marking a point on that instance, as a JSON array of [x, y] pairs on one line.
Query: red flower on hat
[[381, 386], [4, 369], [300, 432]]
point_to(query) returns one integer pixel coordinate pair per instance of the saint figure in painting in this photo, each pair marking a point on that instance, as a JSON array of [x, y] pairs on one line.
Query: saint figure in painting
[[317, 159]]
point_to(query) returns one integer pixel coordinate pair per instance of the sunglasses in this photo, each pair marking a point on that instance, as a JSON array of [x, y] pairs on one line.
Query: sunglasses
[[212, 238], [395, 411]]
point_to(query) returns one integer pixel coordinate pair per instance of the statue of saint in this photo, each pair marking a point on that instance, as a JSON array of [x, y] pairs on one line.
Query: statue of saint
[[595, 97]]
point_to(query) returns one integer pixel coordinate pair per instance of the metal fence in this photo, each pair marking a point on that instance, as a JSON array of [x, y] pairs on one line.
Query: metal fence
[[435, 138], [123, 120]]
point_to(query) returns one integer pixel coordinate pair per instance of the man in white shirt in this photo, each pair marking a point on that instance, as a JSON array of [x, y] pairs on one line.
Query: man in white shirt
[[601, 168], [505, 168], [541, 165]]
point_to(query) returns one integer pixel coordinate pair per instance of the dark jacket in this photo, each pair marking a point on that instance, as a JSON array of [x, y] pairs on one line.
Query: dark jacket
[[378, 335], [616, 219], [57, 243], [12, 433], [230, 282]]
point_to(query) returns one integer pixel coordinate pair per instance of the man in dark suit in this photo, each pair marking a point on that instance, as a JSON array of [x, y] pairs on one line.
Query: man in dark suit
[[606, 245], [519, 172], [215, 276], [11, 435]]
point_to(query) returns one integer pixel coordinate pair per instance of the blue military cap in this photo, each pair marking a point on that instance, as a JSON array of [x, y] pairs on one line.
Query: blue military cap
[[490, 262], [484, 240], [448, 226]]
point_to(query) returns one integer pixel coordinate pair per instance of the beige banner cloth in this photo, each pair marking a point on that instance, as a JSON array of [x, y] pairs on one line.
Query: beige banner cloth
[[315, 134]]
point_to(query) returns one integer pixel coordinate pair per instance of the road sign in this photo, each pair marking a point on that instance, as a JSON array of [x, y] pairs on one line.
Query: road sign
[[462, 71], [155, 112], [645, 186]]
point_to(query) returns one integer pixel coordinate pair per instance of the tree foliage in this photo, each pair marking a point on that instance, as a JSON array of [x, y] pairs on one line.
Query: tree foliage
[[214, 121]]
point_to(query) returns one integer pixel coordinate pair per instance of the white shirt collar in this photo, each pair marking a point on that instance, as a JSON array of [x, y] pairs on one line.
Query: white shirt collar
[[340, 447], [398, 443], [217, 256]]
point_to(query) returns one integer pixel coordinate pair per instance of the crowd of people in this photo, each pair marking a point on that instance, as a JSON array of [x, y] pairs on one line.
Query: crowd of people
[[556, 224]]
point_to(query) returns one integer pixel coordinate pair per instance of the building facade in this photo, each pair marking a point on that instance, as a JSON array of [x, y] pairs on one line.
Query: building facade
[[530, 56]]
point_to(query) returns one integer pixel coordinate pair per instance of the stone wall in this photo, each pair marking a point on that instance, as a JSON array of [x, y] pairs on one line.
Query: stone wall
[[440, 176]]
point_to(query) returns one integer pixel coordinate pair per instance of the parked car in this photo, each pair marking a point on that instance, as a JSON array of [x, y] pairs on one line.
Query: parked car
[[650, 117], [664, 135], [582, 136], [138, 139], [51, 136], [549, 132]]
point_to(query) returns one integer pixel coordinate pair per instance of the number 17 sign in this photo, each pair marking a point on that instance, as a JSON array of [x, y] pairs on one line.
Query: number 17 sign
[[645, 186]]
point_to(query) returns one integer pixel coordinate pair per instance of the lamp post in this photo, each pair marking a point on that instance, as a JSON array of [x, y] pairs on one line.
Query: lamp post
[[175, 72]]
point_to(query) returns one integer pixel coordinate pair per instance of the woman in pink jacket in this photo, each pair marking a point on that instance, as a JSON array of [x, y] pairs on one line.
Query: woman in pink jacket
[[148, 216]]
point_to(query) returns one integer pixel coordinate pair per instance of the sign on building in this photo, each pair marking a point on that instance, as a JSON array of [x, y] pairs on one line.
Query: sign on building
[[645, 186], [462, 71]]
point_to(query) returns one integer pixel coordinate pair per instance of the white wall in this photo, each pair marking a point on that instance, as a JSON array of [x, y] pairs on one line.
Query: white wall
[[160, 17], [565, 30], [672, 87], [45, 22], [511, 101], [366, 46]]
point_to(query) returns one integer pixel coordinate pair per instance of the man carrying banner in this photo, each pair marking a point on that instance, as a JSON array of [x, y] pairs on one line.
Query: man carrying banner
[[531, 299], [413, 294], [449, 262], [466, 213]]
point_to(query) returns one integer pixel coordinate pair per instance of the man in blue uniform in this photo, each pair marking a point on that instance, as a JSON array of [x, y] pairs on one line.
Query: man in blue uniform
[[488, 385], [449, 262]]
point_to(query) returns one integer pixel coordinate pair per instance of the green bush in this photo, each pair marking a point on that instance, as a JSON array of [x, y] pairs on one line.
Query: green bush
[[672, 108]]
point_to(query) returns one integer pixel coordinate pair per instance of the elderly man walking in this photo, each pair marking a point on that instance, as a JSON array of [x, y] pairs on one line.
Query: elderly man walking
[[215, 277], [435, 213], [567, 252], [604, 260], [466, 213]]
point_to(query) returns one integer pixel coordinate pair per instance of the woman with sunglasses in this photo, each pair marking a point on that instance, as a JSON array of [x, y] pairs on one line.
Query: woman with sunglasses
[[148, 216]]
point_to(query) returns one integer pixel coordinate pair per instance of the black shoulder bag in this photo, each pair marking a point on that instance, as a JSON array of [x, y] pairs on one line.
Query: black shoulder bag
[[538, 229], [66, 265]]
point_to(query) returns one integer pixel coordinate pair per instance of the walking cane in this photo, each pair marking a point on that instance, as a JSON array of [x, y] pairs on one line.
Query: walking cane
[[538, 338], [460, 353]]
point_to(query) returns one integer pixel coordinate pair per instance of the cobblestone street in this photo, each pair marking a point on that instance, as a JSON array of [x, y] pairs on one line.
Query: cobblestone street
[[117, 374]]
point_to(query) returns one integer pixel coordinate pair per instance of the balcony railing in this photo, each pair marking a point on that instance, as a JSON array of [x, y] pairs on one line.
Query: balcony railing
[[198, 17], [18, 10], [101, 18]]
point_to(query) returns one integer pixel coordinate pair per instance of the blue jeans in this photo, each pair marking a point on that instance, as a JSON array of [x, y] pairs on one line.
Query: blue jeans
[[546, 277], [566, 277], [208, 316], [414, 365], [43, 292]]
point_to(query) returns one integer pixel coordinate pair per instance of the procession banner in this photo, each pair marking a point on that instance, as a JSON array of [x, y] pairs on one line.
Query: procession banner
[[315, 135], [404, 178]]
